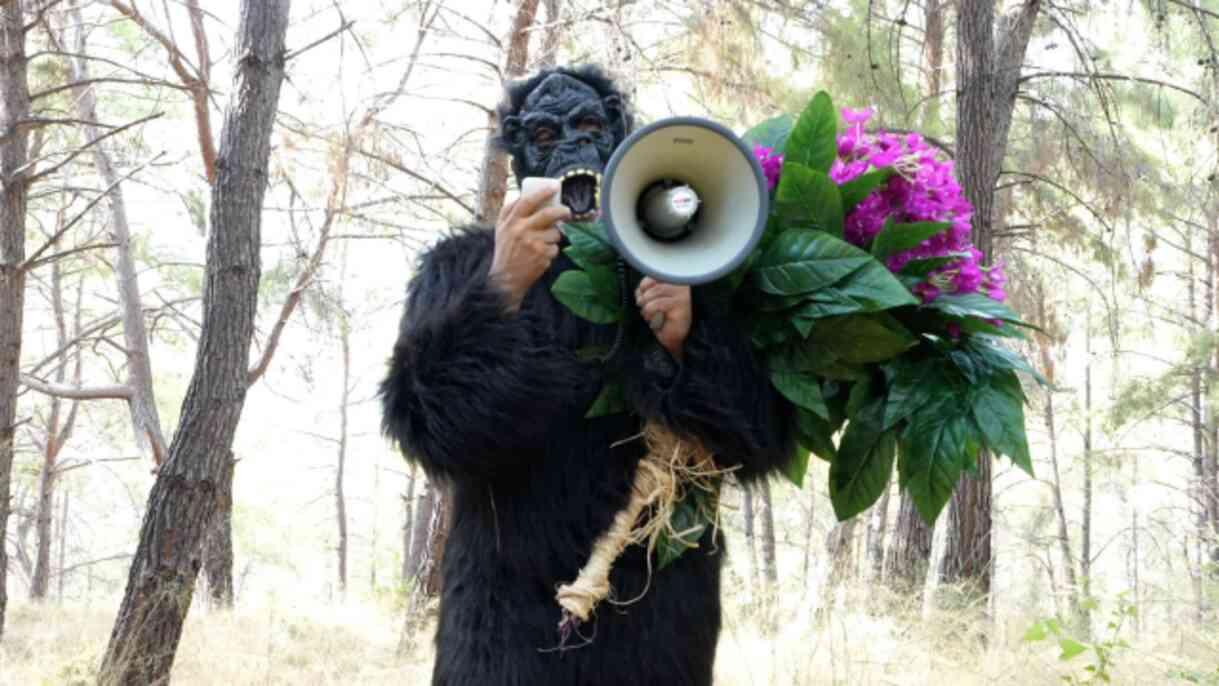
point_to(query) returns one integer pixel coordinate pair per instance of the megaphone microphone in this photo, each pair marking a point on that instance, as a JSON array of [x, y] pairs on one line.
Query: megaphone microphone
[[684, 200]]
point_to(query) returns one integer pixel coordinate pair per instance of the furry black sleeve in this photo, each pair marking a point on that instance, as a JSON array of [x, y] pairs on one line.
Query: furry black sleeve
[[470, 387], [719, 393]]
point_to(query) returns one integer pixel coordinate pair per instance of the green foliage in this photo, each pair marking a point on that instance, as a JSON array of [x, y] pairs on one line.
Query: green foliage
[[809, 197], [692, 515], [771, 133], [591, 294], [610, 400], [814, 139], [1104, 652], [896, 238]]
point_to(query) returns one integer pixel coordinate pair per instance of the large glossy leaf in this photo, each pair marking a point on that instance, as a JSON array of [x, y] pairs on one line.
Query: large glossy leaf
[[814, 140], [772, 133], [816, 435], [807, 197], [897, 238], [802, 261], [796, 466], [687, 524], [861, 471], [803, 389], [935, 450], [611, 400], [974, 305], [590, 294], [859, 188], [921, 269], [1000, 415], [875, 288], [589, 245], [916, 385], [862, 338]]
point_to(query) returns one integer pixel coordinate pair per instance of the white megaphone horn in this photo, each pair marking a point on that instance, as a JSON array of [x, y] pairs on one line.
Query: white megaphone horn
[[684, 200]]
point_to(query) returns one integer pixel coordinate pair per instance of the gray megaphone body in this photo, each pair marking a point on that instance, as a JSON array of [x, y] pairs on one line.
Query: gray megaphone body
[[684, 200]]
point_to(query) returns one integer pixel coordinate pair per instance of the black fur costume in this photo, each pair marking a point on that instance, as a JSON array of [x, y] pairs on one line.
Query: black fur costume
[[495, 404]]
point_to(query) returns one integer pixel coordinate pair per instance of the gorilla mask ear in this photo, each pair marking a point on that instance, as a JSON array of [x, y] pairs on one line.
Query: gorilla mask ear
[[512, 134], [615, 111]]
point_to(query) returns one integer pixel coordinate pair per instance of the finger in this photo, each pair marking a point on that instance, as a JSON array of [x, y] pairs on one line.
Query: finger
[[550, 236], [552, 251], [661, 290], [528, 204], [644, 286], [664, 305], [546, 218], [506, 210]]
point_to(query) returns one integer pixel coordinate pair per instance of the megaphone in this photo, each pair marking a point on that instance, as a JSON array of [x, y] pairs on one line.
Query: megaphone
[[684, 200]]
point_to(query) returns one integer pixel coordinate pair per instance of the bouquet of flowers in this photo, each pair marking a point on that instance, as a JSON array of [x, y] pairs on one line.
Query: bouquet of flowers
[[871, 308]]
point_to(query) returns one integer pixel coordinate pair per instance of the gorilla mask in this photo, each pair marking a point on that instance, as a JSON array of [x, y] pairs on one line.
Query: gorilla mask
[[564, 124]]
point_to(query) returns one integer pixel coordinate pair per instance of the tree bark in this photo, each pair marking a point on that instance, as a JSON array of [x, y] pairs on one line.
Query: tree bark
[[770, 570], [14, 153], [61, 575], [909, 555], [184, 498], [146, 421], [840, 548], [218, 546], [493, 183], [419, 537], [552, 39], [751, 537], [1085, 535], [340, 500], [408, 529], [987, 80], [878, 523]]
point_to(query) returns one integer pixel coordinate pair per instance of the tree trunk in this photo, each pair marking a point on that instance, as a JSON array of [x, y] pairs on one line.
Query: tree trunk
[[218, 547], [552, 39], [14, 151], [408, 529], [770, 571], [437, 537], [878, 523], [987, 81], [910, 553], [1085, 536], [751, 537], [145, 420], [61, 575], [419, 537], [340, 501], [933, 47], [493, 183], [809, 523], [184, 498], [840, 548]]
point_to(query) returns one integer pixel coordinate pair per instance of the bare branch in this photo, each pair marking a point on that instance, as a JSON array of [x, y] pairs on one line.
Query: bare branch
[[297, 53], [81, 150], [75, 392], [397, 166]]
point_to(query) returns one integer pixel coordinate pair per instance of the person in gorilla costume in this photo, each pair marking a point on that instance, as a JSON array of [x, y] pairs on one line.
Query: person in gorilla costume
[[486, 392]]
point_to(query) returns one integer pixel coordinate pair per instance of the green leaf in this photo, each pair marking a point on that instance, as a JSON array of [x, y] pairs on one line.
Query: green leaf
[[863, 338], [803, 261], [861, 471], [802, 389], [797, 466], [934, 451], [768, 330], [591, 294], [772, 133], [808, 196], [1036, 632], [1000, 416], [611, 400], [974, 305], [897, 238], [816, 435], [814, 140], [875, 288], [916, 385], [1000, 358], [1070, 648], [687, 524], [589, 245], [858, 189], [921, 269]]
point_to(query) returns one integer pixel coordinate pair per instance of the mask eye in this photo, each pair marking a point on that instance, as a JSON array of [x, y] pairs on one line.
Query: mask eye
[[590, 125], [543, 136]]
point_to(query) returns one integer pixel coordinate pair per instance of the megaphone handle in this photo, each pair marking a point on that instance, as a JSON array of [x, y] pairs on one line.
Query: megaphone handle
[[613, 351]]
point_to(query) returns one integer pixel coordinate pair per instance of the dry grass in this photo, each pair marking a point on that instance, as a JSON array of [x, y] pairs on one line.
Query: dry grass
[[355, 644]]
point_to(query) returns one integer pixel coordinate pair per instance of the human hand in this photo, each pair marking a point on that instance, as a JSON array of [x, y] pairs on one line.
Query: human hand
[[668, 311], [526, 242]]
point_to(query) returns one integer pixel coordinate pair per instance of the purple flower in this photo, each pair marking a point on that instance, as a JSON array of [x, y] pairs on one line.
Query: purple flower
[[922, 189], [771, 163]]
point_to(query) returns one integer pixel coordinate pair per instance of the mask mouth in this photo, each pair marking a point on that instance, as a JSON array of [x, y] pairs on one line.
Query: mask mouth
[[581, 192]]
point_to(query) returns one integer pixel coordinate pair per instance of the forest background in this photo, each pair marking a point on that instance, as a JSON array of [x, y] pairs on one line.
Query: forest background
[[1090, 129]]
